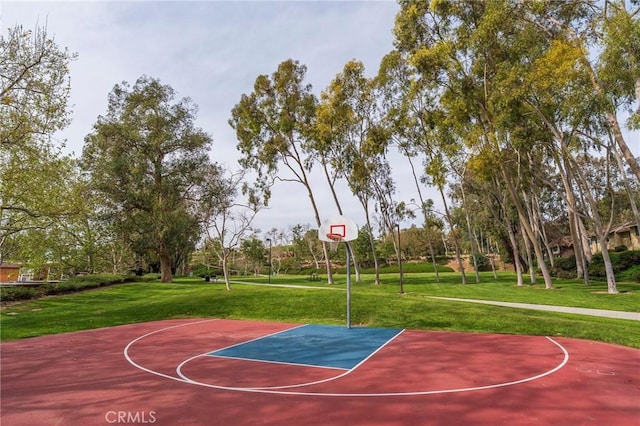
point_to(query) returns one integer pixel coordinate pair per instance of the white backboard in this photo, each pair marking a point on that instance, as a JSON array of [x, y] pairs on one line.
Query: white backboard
[[338, 225]]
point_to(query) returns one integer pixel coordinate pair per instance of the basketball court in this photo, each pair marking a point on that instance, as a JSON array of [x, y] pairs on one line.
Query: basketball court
[[227, 372]]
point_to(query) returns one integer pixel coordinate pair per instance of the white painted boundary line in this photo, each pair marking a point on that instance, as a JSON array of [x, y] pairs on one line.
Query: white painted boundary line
[[252, 340], [299, 385], [131, 343], [389, 394], [339, 376], [383, 394], [213, 355], [294, 364]]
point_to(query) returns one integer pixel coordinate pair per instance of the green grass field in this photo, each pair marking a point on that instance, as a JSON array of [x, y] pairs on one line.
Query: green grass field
[[372, 305]]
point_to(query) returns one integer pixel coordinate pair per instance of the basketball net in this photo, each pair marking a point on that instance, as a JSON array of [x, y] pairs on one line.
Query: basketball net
[[335, 240]]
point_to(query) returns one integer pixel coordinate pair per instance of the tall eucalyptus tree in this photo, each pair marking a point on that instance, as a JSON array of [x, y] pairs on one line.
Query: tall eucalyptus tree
[[606, 36], [420, 128], [275, 128], [469, 49], [350, 137], [148, 160]]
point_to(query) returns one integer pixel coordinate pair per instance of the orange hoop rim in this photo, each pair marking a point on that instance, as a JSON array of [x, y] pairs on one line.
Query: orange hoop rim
[[335, 237]]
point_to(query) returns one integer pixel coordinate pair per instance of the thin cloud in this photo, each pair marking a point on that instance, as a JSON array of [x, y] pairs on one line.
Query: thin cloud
[[212, 52]]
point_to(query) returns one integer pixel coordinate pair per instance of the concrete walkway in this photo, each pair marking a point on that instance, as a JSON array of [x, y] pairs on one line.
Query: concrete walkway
[[288, 286], [635, 316]]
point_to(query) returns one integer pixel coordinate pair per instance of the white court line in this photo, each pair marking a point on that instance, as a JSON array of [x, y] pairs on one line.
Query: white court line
[[132, 362], [297, 385], [383, 394], [389, 394], [253, 340], [265, 361]]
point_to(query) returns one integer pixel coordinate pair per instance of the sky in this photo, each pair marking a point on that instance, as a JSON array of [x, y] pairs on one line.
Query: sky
[[212, 52]]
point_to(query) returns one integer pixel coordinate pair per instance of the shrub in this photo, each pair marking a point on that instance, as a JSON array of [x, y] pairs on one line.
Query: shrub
[[565, 263], [483, 263], [620, 261], [565, 267], [626, 259], [204, 270], [145, 278], [96, 280], [13, 294], [73, 284], [631, 274]]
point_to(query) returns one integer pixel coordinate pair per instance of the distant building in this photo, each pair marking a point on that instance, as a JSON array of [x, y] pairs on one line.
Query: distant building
[[563, 247], [9, 272], [626, 234]]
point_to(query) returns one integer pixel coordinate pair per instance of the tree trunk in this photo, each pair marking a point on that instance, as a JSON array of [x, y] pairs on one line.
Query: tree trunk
[[426, 216], [543, 232], [574, 219], [456, 244], [577, 244], [527, 249], [608, 267], [316, 261], [493, 265], [548, 281], [516, 255], [610, 114], [225, 272], [585, 248], [601, 232], [356, 266], [318, 223], [165, 267], [502, 200], [339, 207], [398, 251], [433, 256], [471, 236], [372, 241], [630, 192], [626, 152]]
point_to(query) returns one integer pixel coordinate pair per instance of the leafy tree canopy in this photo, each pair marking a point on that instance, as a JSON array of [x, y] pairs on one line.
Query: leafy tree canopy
[[148, 160]]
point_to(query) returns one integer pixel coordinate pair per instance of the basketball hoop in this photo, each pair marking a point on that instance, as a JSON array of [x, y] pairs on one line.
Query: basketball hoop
[[334, 230], [335, 240]]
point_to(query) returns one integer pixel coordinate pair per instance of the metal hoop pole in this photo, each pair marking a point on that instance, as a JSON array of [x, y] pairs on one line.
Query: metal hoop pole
[[348, 287]]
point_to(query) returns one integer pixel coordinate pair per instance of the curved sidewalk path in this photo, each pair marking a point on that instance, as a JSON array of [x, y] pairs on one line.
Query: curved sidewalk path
[[635, 316]]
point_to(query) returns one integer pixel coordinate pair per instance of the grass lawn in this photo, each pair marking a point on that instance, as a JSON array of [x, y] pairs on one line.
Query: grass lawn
[[373, 305]]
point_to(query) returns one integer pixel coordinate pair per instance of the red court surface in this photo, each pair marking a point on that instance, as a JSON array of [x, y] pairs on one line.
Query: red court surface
[[158, 373]]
